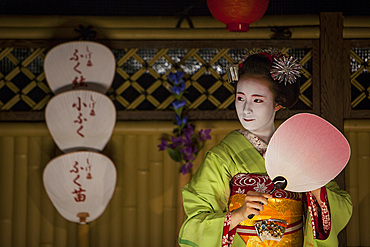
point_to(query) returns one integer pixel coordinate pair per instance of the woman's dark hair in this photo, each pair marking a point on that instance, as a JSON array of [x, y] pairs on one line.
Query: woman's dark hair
[[258, 65]]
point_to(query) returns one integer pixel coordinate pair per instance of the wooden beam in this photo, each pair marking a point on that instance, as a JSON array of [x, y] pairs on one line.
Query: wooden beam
[[125, 44], [39, 116]]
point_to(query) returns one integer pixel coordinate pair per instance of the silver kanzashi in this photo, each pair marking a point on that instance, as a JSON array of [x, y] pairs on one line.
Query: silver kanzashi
[[285, 69]]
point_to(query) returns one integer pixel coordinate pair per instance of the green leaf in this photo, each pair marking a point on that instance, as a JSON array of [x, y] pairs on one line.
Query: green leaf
[[175, 154], [178, 111]]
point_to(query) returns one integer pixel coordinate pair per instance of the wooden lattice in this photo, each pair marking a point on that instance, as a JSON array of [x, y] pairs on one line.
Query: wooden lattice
[[141, 78], [22, 80], [360, 78]]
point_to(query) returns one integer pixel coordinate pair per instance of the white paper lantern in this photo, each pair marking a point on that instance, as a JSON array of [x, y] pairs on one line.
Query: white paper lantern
[[80, 182], [80, 120], [80, 65]]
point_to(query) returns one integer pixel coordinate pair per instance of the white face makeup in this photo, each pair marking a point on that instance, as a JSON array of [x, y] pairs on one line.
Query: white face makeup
[[255, 106]]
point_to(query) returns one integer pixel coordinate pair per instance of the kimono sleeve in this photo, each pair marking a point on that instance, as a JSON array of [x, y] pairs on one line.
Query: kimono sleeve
[[205, 200], [340, 207]]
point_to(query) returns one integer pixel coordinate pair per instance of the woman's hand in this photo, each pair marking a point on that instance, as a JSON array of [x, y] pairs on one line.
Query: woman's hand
[[253, 204]]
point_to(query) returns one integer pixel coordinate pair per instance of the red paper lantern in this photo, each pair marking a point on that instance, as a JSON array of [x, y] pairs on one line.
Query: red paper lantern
[[237, 14]]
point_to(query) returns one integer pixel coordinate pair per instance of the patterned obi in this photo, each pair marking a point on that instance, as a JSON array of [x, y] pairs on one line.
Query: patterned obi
[[284, 210]]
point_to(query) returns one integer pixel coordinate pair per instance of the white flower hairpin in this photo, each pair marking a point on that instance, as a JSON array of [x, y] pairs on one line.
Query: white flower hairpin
[[285, 69]]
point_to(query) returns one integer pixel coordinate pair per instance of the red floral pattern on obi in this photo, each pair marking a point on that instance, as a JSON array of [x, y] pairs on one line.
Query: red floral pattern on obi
[[244, 182]]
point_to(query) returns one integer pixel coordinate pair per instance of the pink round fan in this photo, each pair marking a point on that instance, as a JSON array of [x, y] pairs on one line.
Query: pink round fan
[[307, 151], [80, 184]]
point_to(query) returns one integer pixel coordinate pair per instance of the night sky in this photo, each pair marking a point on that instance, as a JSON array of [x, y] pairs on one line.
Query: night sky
[[170, 8]]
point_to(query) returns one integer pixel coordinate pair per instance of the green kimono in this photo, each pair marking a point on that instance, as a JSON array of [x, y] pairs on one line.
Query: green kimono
[[206, 196]]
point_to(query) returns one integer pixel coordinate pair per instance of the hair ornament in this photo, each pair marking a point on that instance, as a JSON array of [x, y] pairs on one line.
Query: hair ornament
[[285, 69], [232, 72]]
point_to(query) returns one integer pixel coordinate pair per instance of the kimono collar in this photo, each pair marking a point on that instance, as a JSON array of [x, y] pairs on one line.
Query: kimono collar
[[259, 144]]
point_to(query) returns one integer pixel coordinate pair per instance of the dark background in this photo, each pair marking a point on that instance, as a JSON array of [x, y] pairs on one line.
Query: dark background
[[171, 8]]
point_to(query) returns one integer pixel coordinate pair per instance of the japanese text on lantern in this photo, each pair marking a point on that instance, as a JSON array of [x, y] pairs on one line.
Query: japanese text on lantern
[[80, 59], [80, 170], [81, 117]]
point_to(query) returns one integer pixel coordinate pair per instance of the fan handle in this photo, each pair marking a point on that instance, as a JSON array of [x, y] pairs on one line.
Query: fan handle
[[279, 183]]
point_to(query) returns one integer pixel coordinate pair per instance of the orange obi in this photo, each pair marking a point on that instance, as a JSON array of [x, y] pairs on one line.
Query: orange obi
[[281, 219]]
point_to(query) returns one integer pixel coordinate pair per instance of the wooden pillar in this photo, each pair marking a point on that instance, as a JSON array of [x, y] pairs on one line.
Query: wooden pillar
[[332, 78], [331, 68]]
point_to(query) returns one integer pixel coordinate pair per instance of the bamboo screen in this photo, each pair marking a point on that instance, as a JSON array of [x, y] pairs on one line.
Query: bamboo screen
[[357, 181], [142, 211]]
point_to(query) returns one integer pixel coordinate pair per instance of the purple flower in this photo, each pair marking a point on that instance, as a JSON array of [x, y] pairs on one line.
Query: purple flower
[[177, 104], [176, 78], [163, 145], [179, 89], [204, 135], [188, 152], [187, 140], [186, 167], [180, 121], [188, 129], [176, 142]]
